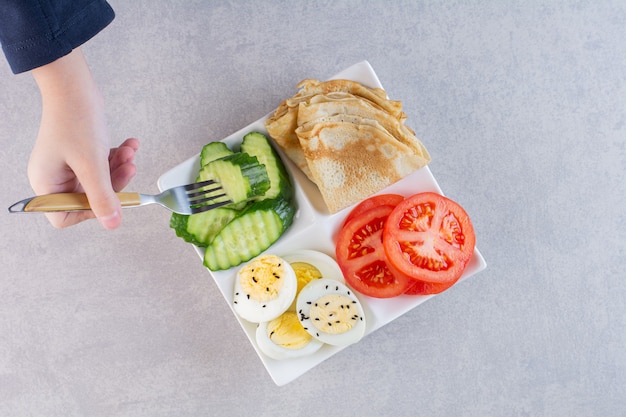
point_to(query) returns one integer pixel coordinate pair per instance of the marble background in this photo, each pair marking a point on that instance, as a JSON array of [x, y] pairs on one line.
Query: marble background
[[523, 108]]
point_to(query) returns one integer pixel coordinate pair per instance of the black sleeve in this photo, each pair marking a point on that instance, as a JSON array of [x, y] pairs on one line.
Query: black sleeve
[[36, 32]]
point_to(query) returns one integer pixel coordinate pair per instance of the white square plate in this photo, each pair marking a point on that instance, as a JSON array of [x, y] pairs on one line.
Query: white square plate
[[315, 228]]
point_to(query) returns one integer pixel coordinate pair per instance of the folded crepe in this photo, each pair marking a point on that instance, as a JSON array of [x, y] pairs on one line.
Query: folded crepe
[[282, 124], [323, 106], [351, 158], [350, 140]]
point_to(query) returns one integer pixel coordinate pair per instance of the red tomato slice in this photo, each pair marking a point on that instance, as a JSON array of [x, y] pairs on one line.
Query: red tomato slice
[[361, 256], [429, 238], [426, 288], [375, 201]]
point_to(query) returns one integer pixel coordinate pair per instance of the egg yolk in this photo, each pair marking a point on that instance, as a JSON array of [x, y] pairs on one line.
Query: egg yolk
[[287, 332], [333, 314], [305, 273], [261, 278]]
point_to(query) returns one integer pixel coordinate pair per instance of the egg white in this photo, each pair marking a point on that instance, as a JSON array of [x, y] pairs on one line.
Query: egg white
[[258, 312], [314, 291], [327, 266]]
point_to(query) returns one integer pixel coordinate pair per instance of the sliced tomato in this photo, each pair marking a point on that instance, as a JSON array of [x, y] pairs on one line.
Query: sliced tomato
[[361, 256], [426, 288], [429, 238], [374, 201]]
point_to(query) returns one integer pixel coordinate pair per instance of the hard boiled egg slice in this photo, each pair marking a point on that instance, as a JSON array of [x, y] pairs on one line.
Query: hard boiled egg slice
[[285, 338], [330, 312], [264, 289], [326, 265], [309, 265]]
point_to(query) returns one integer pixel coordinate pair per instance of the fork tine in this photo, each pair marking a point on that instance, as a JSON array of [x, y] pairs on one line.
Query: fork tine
[[198, 189], [200, 184], [209, 198], [198, 195], [205, 207], [194, 194]]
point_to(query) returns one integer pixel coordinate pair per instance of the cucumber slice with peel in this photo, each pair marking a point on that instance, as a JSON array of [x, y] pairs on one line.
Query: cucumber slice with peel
[[257, 144], [212, 151], [200, 229], [241, 176], [249, 234]]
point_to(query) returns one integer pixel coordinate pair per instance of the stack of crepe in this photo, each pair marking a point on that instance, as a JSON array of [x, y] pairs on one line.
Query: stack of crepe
[[349, 139]]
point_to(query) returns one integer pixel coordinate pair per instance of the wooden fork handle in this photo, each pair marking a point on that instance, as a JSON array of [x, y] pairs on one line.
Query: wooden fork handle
[[73, 202]]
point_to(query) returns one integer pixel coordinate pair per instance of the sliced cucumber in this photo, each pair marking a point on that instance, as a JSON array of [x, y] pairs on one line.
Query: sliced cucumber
[[178, 222], [241, 175], [200, 229], [212, 151], [250, 233], [258, 183], [257, 144]]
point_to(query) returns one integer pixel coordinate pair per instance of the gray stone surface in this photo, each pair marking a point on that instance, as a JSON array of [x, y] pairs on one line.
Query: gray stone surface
[[522, 106]]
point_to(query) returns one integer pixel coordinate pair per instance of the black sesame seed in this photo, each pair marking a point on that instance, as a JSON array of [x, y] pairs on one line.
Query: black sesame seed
[[338, 321], [264, 305], [267, 289], [255, 280], [248, 295], [330, 324], [317, 319], [308, 302], [327, 302]]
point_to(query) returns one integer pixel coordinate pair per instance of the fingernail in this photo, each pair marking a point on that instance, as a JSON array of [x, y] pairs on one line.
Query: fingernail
[[110, 221]]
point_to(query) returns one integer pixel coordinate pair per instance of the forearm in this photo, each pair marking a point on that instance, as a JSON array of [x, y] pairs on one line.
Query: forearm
[[67, 85], [73, 129]]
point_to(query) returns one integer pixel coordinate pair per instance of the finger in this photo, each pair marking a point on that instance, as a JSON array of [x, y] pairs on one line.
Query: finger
[[128, 147], [100, 189], [132, 143], [96, 182], [121, 161], [119, 156], [66, 219], [121, 176]]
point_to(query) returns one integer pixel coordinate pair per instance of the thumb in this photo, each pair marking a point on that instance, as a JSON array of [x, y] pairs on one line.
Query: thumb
[[104, 203]]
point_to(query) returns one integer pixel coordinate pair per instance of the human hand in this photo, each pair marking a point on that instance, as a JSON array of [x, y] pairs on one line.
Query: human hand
[[72, 151]]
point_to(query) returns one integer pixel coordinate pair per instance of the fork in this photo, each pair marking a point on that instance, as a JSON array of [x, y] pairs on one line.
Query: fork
[[185, 199]]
